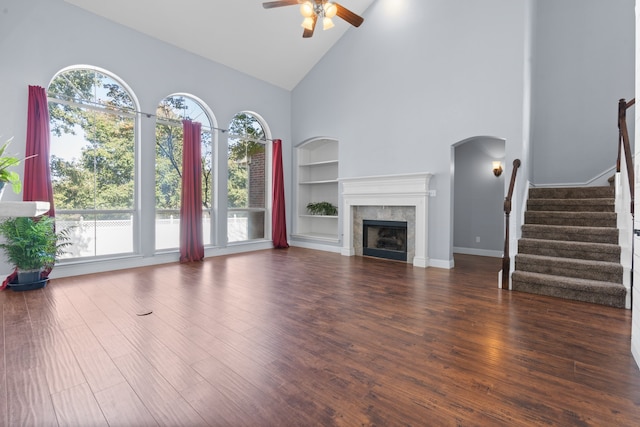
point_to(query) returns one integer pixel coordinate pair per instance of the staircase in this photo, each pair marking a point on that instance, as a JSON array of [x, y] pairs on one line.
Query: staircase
[[569, 246]]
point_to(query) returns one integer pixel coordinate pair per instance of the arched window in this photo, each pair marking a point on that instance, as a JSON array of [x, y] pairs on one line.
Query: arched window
[[93, 162], [170, 113], [248, 172]]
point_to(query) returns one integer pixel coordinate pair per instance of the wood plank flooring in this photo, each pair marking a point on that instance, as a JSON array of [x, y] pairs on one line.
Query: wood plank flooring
[[305, 338]]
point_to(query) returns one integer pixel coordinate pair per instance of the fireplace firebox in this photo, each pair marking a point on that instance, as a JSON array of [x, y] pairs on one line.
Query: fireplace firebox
[[385, 239]]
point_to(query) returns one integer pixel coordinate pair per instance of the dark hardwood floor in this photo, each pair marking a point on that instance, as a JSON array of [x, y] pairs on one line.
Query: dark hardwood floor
[[298, 337]]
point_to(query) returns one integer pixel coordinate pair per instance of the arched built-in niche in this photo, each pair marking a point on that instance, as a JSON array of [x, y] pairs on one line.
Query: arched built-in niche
[[478, 194]]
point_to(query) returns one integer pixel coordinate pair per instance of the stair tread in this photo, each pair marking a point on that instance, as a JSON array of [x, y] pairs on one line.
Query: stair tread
[[575, 261], [570, 192], [572, 205], [571, 218], [607, 271], [609, 247], [573, 228], [571, 187], [572, 282], [573, 214], [573, 200]]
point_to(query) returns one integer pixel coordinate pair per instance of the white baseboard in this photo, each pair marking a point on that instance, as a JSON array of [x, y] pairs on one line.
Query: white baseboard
[[316, 246], [635, 351], [479, 252], [441, 263], [602, 179], [112, 264]]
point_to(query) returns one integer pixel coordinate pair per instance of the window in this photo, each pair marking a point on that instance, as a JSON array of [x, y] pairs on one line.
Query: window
[[247, 179], [93, 162], [170, 113]]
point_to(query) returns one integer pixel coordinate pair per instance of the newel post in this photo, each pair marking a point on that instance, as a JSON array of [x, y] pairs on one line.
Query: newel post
[[506, 259]]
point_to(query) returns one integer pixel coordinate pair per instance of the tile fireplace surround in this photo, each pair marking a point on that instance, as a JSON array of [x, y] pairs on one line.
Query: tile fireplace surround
[[411, 190]]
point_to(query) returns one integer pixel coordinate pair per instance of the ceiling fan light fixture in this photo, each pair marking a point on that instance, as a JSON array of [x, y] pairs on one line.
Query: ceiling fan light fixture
[[306, 9], [307, 23], [327, 23], [330, 10], [314, 10]]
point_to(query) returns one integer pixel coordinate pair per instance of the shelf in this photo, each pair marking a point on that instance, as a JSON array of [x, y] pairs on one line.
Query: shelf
[[23, 209], [327, 162], [320, 216], [333, 238], [327, 181]]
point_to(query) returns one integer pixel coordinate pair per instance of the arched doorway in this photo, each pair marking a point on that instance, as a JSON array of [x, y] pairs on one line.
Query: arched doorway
[[478, 194]]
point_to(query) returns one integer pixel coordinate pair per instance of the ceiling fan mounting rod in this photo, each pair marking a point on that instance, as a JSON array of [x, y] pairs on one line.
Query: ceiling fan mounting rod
[[319, 7]]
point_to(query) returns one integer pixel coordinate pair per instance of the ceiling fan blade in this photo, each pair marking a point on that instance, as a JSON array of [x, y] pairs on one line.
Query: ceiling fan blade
[[347, 15], [308, 33], [270, 4]]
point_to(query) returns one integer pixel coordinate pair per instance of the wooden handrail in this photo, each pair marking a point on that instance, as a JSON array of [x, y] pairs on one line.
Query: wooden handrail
[[506, 260], [625, 145]]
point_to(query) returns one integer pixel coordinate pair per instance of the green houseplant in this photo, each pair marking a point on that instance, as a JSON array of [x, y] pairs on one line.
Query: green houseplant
[[32, 245], [6, 175], [322, 208]]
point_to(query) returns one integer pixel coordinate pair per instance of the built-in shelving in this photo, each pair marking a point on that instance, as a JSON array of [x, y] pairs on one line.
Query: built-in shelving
[[323, 163], [317, 182]]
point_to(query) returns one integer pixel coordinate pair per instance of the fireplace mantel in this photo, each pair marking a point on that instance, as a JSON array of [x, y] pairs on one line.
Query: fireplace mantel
[[388, 190]]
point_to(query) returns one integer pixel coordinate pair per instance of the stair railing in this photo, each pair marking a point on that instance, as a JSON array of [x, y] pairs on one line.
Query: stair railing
[[624, 145], [625, 196], [506, 259]]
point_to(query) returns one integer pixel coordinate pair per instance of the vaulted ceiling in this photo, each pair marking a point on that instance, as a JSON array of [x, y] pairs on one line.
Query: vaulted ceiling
[[241, 34]]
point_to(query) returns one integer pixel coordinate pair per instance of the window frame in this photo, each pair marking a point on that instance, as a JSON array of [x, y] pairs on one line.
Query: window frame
[[268, 202], [212, 128], [133, 113]]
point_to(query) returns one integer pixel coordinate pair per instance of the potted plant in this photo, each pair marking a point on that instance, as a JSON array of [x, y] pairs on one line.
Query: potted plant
[[7, 176], [322, 208], [32, 246]]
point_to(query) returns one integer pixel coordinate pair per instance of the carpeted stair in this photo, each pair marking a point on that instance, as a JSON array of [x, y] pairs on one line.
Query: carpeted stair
[[569, 246]]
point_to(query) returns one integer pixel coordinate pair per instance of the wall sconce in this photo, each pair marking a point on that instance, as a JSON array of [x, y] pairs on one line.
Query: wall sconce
[[497, 168]]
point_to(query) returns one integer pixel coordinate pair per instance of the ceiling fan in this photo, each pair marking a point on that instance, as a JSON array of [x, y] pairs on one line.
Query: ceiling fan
[[311, 10]]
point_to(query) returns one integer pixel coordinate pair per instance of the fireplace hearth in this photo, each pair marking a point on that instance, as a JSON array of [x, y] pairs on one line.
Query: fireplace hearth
[[385, 239]]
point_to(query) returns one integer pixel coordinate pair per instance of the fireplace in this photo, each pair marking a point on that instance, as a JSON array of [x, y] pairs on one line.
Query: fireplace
[[385, 239], [387, 198]]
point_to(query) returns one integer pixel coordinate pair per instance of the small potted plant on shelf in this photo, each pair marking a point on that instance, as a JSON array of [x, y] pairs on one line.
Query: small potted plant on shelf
[[32, 245], [322, 208]]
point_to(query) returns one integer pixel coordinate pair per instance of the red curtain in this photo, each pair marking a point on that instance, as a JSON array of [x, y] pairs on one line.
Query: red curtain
[[191, 246], [36, 180], [279, 218]]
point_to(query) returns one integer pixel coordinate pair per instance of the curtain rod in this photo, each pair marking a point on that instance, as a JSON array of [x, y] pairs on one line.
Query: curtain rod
[[96, 106]]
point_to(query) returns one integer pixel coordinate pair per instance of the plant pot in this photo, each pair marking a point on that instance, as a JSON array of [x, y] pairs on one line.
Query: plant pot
[[30, 276], [18, 287]]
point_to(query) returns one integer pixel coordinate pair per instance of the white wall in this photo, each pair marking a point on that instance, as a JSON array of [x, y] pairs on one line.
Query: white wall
[[583, 62], [40, 37], [415, 78]]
